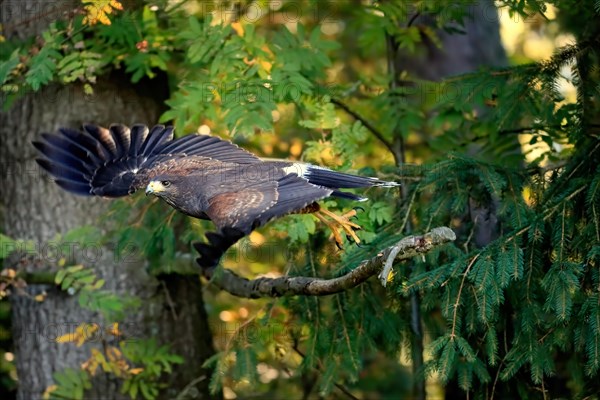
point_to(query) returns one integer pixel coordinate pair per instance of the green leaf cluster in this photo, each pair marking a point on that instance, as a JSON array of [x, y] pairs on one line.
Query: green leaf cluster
[[154, 361]]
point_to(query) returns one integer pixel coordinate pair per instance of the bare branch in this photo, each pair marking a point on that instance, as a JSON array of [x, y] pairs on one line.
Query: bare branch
[[406, 248], [376, 132]]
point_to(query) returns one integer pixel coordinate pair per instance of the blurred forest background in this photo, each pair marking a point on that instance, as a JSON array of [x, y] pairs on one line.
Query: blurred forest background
[[486, 111]]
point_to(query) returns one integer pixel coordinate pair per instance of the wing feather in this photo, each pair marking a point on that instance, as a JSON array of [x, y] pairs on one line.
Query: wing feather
[[104, 138], [240, 209], [138, 136], [73, 187], [295, 194], [94, 149], [255, 204], [177, 146], [65, 145], [121, 137], [52, 152], [65, 172], [157, 137], [117, 161]]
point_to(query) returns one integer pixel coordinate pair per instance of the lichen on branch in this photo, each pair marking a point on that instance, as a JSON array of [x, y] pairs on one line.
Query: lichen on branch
[[405, 249]]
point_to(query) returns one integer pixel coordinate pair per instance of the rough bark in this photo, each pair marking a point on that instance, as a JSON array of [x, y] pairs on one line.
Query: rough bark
[[34, 208], [382, 262]]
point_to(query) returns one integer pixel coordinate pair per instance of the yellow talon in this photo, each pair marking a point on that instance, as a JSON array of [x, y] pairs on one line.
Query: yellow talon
[[340, 222]]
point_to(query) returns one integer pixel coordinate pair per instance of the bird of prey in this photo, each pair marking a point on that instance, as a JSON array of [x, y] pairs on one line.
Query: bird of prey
[[202, 176]]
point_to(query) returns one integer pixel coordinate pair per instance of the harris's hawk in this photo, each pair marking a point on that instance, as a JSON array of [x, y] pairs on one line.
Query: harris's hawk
[[201, 176]]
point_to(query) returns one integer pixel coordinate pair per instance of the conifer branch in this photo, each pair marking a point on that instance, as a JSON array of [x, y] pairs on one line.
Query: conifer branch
[[319, 368], [460, 289], [406, 248]]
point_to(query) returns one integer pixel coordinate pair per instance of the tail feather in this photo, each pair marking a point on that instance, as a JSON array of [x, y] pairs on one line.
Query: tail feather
[[336, 180], [348, 196]]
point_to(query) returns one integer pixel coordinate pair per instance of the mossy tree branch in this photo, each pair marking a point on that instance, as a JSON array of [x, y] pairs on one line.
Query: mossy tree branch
[[405, 249]]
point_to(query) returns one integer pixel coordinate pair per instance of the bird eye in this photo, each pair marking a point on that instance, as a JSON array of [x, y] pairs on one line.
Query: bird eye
[[166, 183]]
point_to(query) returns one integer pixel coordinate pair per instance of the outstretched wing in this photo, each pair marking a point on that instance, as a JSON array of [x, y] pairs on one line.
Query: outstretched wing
[[108, 162], [254, 205]]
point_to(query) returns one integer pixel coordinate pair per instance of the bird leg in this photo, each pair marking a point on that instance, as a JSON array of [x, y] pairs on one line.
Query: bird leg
[[218, 244], [336, 224], [340, 221]]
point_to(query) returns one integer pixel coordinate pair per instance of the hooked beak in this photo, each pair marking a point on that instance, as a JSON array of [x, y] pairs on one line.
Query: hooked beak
[[152, 188]]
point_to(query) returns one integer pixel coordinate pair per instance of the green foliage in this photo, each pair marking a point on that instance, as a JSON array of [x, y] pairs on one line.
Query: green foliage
[[140, 364], [71, 384], [154, 360], [79, 66], [7, 66], [87, 285], [7, 246], [299, 227], [511, 309], [44, 63]]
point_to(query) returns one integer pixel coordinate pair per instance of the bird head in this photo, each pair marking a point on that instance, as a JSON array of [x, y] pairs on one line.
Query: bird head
[[163, 187], [175, 190]]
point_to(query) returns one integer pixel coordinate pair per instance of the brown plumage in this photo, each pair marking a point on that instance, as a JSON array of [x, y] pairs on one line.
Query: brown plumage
[[202, 176]]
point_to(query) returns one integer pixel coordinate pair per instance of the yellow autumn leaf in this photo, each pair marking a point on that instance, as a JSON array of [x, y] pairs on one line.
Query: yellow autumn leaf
[[266, 65], [113, 354], [96, 359], [40, 297], [135, 371], [238, 28], [9, 273], [266, 49], [67, 337], [48, 391], [82, 333], [114, 330], [98, 10], [91, 364], [85, 332]]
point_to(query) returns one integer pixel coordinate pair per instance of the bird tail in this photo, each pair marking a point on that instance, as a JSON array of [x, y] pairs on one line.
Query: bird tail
[[340, 180]]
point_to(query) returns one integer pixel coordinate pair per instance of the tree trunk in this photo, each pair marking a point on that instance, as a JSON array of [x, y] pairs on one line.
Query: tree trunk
[[34, 208]]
